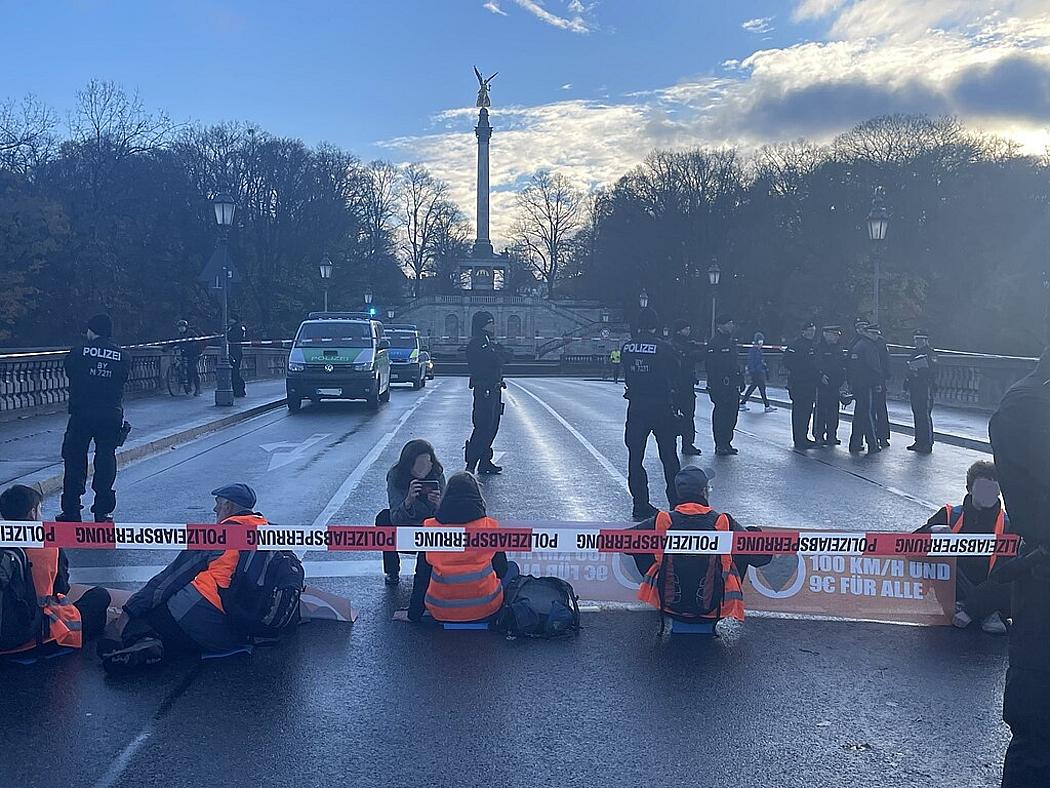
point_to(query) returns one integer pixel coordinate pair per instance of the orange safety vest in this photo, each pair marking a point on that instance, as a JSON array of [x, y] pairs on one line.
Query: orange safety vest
[[998, 531], [219, 573], [463, 586], [732, 605], [60, 615]]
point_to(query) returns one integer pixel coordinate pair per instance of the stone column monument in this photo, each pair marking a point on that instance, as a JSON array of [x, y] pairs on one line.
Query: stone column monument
[[483, 131]]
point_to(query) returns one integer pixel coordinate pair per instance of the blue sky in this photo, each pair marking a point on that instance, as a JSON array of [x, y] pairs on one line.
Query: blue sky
[[587, 88]]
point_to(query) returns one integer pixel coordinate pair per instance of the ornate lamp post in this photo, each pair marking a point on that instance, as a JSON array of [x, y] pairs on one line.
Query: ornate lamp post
[[643, 299], [326, 274], [878, 223], [714, 276], [225, 208]]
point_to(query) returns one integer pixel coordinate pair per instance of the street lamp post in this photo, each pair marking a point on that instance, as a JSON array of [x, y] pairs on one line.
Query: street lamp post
[[643, 299], [225, 208], [714, 276], [326, 274], [368, 300], [878, 223]]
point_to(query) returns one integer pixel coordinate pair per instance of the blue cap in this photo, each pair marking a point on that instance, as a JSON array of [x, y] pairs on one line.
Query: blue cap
[[240, 494]]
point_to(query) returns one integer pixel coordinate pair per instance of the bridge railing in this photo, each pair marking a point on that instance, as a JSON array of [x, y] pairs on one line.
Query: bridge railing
[[34, 380]]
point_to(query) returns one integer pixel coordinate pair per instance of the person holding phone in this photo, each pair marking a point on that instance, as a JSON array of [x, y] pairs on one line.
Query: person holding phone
[[414, 486]]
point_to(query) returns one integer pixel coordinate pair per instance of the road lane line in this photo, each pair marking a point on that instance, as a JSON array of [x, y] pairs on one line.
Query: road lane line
[[120, 763], [604, 461], [347, 488]]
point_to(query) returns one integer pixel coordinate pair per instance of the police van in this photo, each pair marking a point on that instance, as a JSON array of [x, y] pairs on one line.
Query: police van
[[339, 355], [407, 364]]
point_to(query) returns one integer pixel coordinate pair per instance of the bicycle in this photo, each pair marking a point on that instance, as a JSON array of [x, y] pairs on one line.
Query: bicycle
[[178, 377]]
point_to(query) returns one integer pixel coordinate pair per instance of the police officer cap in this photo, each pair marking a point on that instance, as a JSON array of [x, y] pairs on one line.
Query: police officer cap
[[721, 320], [481, 319], [874, 328], [680, 325], [921, 334], [240, 494], [832, 329], [101, 325], [647, 319], [808, 324]]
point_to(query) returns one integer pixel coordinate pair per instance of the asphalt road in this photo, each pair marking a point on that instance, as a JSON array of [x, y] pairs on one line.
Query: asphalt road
[[777, 702]]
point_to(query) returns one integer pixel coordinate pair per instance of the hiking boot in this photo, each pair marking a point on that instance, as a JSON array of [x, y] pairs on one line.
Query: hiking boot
[[643, 512], [691, 451], [873, 450], [141, 653], [65, 517], [103, 518], [994, 625], [732, 450], [884, 443], [770, 409], [488, 468], [392, 580], [961, 619]]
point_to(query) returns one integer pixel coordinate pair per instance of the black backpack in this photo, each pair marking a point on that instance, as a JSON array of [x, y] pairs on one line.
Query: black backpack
[[541, 607], [263, 598], [21, 619], [696, 587]]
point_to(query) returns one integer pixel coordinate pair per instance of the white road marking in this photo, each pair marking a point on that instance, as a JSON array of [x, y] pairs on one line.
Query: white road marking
[[285, 453], [604, 461], [120, 763]]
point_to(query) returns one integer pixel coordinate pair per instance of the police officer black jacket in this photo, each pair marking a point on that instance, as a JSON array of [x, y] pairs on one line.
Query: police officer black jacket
[[485, 360], [650, 370], [721, 362], [865, 366], [800, 360], [831, 363], [97, 371]]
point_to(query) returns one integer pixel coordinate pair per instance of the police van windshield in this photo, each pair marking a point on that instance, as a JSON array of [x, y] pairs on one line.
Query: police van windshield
[[404, 340], [335, 333]]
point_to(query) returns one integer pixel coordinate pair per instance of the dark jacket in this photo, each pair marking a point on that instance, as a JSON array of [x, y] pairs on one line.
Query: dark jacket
[[975, 521], [485, 360], [921, 377], [800, 361], [884, 359], [420, 509], [651, 370], [191, 348], [831, 363], [690, 353], [723, 370], [864, 368], [97, 372], [236, 336]]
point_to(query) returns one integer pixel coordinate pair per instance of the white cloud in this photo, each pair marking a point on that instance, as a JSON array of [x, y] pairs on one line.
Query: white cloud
[[993, 73], [762, 24], [574, 24], [567, 86], [493, 6]]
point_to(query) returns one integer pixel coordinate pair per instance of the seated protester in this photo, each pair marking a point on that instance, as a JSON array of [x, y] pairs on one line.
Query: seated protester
[[694, 588], [413, 488], [978, 596], [41, 574], [181, 609], [467, 586]]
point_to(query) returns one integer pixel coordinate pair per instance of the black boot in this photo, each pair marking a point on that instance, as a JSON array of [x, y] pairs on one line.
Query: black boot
[[488, 468]]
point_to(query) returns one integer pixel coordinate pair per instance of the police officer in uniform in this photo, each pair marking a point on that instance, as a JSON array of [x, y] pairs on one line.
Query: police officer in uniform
[[650, 372], [690, 353], [97, 371], [485, 360], [236, 334], [1020, 437], [800, 360], [864, 371], [881, 412], [831, 375], [920, 382], [724, 384]]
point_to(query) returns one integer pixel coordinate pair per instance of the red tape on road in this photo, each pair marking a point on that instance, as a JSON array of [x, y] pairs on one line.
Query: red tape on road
[[520, 538]]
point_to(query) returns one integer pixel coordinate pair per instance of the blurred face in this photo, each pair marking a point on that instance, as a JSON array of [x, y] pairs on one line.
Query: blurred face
[[182, 329], [686, 331], [422, 466], [922, 342], [490, 328], [831, 337], [727, 328], [760, 342], [809, 332], [984, 493]]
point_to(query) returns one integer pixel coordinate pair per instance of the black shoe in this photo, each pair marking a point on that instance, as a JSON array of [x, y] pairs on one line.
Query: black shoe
[[691, 451], [834, 442], [874, 450], [923, 449], [884, 444], [643, 512], [913, 447], [804, 446], [148, 651], [103, 518], [392, 580], [856, 449], [489, 469], [63, 517], [731, 450]]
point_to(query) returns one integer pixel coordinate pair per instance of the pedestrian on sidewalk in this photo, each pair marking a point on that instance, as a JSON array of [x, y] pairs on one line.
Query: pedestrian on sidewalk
[[800, 360], [758, 371], [725, 384], [864, 372], [879, 406], [921, 384], [97, 371], [831, 371], [236, 335], [979, 596], [42, 574], [413, 488]]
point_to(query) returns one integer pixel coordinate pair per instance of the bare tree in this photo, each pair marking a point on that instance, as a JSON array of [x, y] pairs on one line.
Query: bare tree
[[26, 134], [424, 202], [551, 211], [381, 200], [108, 117]]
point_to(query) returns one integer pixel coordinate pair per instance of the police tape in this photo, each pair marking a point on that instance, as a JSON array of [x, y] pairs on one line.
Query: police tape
[[517, 537]]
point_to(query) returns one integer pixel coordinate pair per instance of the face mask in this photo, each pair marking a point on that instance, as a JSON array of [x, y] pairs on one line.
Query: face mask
[[985, 493]]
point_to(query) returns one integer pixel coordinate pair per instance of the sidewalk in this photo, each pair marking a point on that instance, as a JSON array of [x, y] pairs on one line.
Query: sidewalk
[[956, 426], [31, 447]]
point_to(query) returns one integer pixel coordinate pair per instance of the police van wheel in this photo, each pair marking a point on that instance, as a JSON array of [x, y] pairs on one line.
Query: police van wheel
[[294, 404]]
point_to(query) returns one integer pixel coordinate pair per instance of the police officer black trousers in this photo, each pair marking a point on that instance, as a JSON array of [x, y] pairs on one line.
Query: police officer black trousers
[[239, 389], [641, 421], [1026, 709], [724, 414], [488, 407], [882, 415], [922, 417], [863, 420], [826, 414], [104, 429], [687, 427], [802, 401]]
